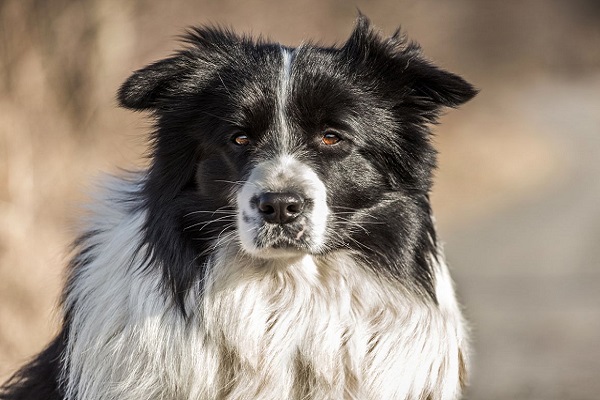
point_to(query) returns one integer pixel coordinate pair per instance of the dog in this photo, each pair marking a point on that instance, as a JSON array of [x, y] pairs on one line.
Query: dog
[[281, 243]]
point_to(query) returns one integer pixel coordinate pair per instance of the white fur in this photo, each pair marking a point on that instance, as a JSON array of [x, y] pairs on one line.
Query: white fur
[[282, 174], [285, 83], [126, 339], [303, 328]]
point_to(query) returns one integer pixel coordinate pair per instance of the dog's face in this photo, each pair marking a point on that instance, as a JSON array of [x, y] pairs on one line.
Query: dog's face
[[304, 150]]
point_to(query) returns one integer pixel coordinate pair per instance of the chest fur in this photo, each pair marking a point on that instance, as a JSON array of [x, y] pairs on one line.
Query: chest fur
[[327, 329]]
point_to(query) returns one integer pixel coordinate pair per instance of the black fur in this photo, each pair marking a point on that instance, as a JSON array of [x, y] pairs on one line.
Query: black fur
[[379, 95], [38, 379]]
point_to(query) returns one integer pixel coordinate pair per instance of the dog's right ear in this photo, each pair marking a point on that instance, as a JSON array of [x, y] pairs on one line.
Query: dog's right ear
[[144, 88], [206, 46]]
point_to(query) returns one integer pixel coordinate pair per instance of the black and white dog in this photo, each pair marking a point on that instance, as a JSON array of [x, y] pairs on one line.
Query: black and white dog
[[281, 243]]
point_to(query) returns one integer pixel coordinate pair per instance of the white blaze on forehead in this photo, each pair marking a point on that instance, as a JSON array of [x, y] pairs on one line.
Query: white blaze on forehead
[[285, 83], [284, 174], [286, 71]]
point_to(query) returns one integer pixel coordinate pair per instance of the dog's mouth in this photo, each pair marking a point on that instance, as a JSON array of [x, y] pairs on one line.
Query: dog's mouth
[[265, 239], [272, 239], [282, 209], [284, 244]]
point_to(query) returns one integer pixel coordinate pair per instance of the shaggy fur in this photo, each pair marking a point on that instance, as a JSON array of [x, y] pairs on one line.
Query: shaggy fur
[[280, 245]]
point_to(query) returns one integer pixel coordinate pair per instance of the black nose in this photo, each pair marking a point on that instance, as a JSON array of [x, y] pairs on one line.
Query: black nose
[[280, 208]]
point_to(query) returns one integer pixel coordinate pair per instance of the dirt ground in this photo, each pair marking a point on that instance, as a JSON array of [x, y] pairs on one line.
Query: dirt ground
[[517, 190]]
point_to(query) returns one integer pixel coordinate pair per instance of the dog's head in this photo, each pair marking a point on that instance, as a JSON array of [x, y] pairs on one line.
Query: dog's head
[[290, 151]]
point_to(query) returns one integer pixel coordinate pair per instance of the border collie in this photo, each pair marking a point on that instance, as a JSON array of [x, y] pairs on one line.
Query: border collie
[[280, 245]]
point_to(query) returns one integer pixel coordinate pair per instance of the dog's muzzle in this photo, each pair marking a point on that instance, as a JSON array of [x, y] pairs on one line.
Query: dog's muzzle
[[282, 209]]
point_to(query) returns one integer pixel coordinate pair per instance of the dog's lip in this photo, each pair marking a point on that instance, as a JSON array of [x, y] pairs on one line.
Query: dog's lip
[[280, 240], [280, 249], [285, 243], [282, 246]]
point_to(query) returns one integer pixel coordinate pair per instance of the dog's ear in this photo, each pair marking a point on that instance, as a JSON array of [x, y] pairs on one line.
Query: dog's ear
[[145, 88], [402, 62], [433, 84]]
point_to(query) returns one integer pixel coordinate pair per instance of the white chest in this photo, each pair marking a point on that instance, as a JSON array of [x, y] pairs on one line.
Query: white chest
[[312, 330]]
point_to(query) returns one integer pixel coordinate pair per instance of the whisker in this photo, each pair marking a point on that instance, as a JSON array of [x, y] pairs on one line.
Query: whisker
[[344, 241], [232, 122], [346, 208], [216, 244], [204, 224], [220, 210], [355, 224], [240, 183], [223, 82], [358, 222], [353, 211], [359, 244], [226, 236], [229, 225]]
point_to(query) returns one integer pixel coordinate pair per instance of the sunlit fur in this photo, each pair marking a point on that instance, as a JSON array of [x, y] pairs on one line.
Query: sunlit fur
[[316, 327], [282, 174], [180, 289]]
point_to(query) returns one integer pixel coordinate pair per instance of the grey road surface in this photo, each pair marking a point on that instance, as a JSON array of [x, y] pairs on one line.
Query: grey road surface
[[529, 275]]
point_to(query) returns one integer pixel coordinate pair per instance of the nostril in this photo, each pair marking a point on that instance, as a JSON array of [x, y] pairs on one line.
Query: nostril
[[293, 208], [280, 208], [266, 208]]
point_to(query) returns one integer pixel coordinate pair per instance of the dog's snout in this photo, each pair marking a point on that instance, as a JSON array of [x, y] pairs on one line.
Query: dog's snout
[[280, 208]]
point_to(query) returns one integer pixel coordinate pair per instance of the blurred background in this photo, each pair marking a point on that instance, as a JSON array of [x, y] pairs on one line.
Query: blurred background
[[518, 189]]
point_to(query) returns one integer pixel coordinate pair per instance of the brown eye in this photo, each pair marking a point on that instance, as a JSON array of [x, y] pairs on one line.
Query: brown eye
[[330, 138], [241, 140]]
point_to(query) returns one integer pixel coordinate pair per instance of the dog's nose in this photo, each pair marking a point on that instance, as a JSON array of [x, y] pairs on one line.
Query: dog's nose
[[280, 208]]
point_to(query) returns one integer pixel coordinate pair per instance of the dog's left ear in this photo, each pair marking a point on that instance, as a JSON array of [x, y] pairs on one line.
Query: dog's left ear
[[402, 62]]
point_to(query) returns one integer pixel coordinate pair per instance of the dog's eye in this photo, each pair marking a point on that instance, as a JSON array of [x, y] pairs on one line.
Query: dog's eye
[[330, 138], [241, 140]]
